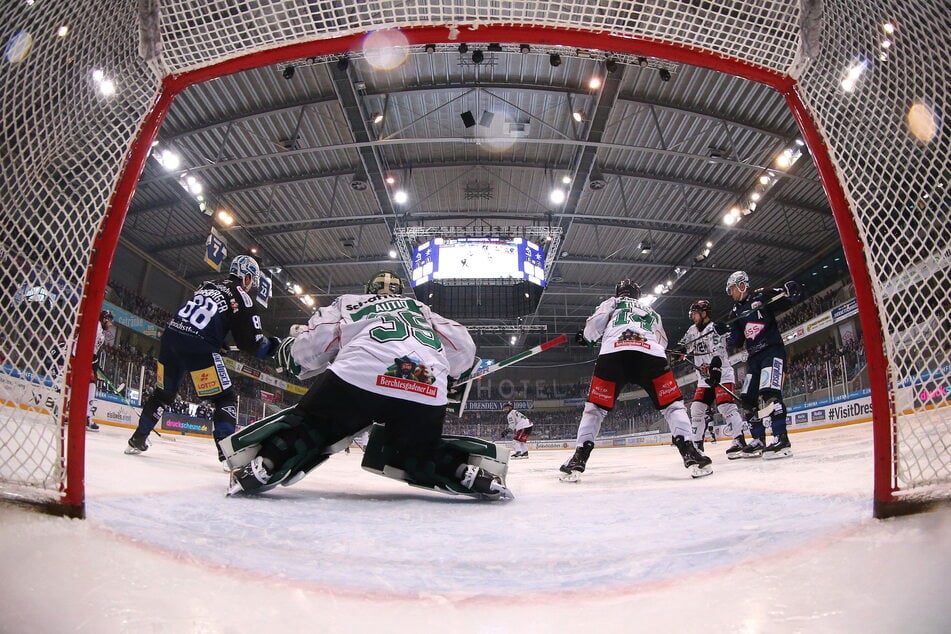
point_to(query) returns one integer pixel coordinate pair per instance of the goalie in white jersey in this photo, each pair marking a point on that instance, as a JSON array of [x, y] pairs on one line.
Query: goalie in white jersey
[[633, 343], [715, 379], [381, 358]]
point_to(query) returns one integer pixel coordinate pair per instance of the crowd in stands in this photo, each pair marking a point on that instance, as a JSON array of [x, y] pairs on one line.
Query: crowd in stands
[[808, 371], [812, 369], [813, 306]]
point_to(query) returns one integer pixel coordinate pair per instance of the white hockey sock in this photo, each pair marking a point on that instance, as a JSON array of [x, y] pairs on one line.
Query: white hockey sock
[[734, 421], [591, 420], [698, 423], [677, 421]]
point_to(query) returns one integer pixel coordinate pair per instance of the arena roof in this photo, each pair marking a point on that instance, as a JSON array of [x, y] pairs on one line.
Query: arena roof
[[656, 157]]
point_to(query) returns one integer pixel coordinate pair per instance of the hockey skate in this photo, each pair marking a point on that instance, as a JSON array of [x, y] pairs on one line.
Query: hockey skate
[[91, 426], [753, 449], [137, 444], [519, 455], [779, 448], [574, 467], [487, 485], [251, 479], [697, 463], [733, 451]]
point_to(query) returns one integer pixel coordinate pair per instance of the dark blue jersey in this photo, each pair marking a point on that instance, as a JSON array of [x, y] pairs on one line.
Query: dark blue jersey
[[216, 309], [753, 320]]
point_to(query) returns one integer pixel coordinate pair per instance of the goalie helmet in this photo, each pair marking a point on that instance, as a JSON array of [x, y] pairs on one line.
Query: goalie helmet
[[627, 288], [737, 278], [699, 306], [385, 283], [246, 265]]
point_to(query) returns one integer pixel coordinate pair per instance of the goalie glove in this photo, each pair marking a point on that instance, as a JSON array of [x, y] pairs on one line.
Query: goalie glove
[[285, 360], [715, 371]]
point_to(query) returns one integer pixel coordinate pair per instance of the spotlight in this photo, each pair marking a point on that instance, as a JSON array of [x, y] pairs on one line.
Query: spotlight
[[377, 117], [430, 48], [288, 73], [495, 47], [554, 59], [645, 247], [596, 181], [477, 56], [578, 116], [463, 48], [467, 119], [610, 65], [524, 48], [343, 64], [664, 74]]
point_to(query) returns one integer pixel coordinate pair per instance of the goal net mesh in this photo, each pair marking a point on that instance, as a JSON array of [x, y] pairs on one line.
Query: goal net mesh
[[73, 103]]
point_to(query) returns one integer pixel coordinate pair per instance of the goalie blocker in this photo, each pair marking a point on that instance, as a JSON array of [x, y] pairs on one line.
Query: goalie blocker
[[460, 465]]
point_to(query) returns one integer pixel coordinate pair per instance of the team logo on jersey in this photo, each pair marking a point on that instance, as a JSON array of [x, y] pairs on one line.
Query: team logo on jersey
[[410, 375], [629, 338], [753, 329]]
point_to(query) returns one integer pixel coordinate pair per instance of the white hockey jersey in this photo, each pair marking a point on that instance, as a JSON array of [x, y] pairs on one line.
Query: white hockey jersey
[[704, 344], [389, 344], [516, 420], [623, 324]]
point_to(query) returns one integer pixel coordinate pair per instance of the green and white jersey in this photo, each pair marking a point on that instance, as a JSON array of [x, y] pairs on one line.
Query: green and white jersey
[[516, 420], [704, 343], [388, 344], [622, 323]]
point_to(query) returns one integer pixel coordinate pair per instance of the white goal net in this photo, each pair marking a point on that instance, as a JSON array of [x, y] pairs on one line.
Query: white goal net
[[76, 115]]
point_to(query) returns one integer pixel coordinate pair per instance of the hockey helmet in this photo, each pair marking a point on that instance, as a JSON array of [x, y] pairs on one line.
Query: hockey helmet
[[628, 288], [699, 306], [246, 265], [106, 314], [508, 404], [385, 283], [737, 278]]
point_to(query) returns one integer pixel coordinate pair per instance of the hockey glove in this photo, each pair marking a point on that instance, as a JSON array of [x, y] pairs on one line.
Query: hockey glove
[[721, 328], [715, 371], [579, 338], [285, 361]]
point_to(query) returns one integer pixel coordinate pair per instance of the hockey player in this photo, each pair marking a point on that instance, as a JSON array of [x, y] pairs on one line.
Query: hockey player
[[106, 322], [521, 427], [753, 324], [715, 379], [190, 346], [382, 358], [633, 343]]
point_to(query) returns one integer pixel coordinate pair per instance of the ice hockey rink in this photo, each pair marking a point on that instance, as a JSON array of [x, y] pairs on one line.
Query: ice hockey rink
[[636, 546]]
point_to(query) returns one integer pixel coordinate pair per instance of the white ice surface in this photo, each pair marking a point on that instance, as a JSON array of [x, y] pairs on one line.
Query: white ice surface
[[636, 546]]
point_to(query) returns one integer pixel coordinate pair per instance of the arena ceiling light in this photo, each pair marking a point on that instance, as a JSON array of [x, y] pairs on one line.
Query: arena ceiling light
[[400, 197], [557, 196]]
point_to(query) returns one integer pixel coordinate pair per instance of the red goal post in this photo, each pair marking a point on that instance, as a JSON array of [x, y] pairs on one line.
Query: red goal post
[[879, 148]]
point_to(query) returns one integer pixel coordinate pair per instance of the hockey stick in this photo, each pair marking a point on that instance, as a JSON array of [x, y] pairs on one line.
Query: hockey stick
[[720, 385], [744, 314], [468, 377], [760, 413]]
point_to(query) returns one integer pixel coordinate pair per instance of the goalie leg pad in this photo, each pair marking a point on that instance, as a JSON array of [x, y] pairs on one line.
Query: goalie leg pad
[[461, 465]]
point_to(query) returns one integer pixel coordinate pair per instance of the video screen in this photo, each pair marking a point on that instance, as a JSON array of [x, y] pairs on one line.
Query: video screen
[[478, 258]]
